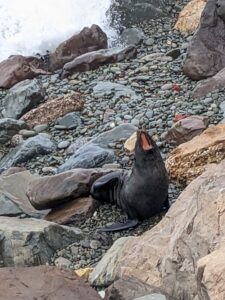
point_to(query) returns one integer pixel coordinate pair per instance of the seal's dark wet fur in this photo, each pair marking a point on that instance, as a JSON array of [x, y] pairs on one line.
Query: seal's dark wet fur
[[142, 192]]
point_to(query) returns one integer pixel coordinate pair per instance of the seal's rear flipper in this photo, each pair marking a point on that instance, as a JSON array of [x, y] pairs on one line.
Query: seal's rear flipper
[[120, 226]]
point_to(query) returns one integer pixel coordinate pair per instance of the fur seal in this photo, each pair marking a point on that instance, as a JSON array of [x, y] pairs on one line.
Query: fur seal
[[142, 192]]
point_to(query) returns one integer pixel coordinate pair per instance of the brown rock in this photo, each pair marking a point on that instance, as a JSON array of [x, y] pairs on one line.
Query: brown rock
[[190, 15], [13, 170], [129, 288], [191, 159], [211, 275], [43, 282], [76, 210], [53, 109], [89, 39], [209, 85], [167, 255], [51, 191], [18, 68], [186, 129], [204, 57], [93, 60]]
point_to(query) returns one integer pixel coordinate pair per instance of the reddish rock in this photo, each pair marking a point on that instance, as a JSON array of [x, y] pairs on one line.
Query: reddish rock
[[89, 39], [95, 59], [53, 109], [186, 129], [13, 170], [73, 211], [18, 68], [205, 56], [43, 282], [51, 191], [211, 84]]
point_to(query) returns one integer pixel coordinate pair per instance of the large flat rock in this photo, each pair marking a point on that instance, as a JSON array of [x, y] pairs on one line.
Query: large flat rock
[[43, 283], [167, 256], [32, 242]]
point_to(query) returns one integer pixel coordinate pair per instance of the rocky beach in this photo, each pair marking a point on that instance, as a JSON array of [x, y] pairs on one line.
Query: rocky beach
[[64, 126]]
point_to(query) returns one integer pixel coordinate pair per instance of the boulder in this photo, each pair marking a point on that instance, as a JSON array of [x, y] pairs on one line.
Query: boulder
[[18, 68], [167, 256], [130, 12], [53, 109], [211, 275], [10, 127], [13, 200], [88, 156], [192, 158], [32, 242], [204, 57], [43, 282], [50, 191], [186, 129], [23, 97], [89, 39], [32, 147], [93, 60], [189, 17], [209, 85], [77, 210]]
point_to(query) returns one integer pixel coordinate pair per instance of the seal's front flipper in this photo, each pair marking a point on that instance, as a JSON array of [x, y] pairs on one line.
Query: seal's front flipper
[[130, 223]]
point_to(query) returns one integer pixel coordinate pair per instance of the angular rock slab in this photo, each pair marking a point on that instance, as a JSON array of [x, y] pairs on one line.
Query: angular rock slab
[[32, 242], [189, 17], [13, 198], [10, 127], [51, 191], [122, 131], [89, 39], [191, 159], [73, 211], [93, 60], [32, 147], [209, 85], [43, 282], [167, 255], [186, 129], [23, 97], [205, 56], [88, 156], [18, 68], [52, 109]]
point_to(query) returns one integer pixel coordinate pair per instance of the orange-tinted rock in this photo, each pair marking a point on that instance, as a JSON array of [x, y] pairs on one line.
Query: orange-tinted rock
[[93, 60], [186, 129], [53, 109], [89, 39], [43, 282], [190, 15], [18, 68], [73, 211], [191, 159], [51, 191]]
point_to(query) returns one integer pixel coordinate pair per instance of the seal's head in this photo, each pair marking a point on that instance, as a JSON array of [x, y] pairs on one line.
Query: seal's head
[[145, 148]]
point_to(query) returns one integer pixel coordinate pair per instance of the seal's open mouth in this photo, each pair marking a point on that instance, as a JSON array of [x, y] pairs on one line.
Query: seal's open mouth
[[145, 142]]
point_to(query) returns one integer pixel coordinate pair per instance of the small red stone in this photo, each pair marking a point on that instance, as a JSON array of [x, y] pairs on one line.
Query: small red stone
[[176, 87]]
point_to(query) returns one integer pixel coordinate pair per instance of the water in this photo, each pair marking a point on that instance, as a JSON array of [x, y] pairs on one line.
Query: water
[[28, 27]]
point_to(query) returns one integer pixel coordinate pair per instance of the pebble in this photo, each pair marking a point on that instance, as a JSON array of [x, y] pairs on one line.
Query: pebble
[[63, 144], [27, 133]]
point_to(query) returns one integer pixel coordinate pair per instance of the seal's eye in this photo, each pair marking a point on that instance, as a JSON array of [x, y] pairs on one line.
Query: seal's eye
[[145, 142]]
